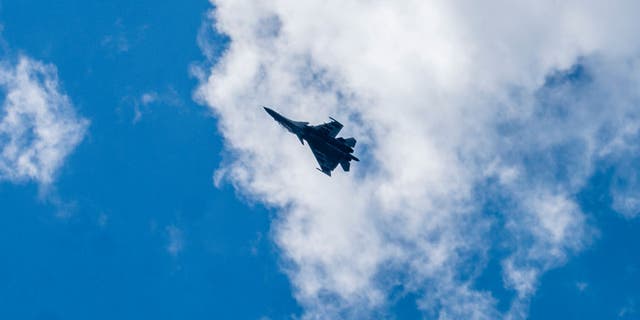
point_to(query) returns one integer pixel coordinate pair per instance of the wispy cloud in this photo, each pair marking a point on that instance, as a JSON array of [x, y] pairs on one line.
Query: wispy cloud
[[582, 286], [175, 239], [103, 220], [628, 310], [456, 106], [625, 187], [143, 103], [148, 97], [39, 127], [123, 38]]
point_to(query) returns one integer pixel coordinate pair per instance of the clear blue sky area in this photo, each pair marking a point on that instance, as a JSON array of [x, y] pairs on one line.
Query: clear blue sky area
[[128, 182], [98, 247]]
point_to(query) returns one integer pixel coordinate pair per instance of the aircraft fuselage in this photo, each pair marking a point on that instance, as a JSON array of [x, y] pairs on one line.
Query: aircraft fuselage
[[326, 147]]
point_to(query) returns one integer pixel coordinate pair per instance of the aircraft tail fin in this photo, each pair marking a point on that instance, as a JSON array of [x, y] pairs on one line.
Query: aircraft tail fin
[[345, 165], [350, 142]]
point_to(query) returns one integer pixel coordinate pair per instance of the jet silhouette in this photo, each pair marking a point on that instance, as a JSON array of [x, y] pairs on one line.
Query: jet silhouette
[[328, 150]]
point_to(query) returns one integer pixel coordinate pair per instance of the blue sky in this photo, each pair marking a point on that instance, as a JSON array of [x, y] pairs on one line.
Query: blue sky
[[127, 182], [134, 225]]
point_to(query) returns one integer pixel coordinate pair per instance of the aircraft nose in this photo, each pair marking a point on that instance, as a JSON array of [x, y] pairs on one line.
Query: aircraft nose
[[270, 112]]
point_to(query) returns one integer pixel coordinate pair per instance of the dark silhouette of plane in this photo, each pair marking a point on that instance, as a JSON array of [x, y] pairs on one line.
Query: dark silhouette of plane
[[328, 150]]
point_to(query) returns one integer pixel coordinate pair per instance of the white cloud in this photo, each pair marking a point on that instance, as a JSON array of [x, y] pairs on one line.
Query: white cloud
[[38, 124], [455, 104]]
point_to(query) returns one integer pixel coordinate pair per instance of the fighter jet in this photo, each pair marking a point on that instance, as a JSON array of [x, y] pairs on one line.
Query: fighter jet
[[328, 150]]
